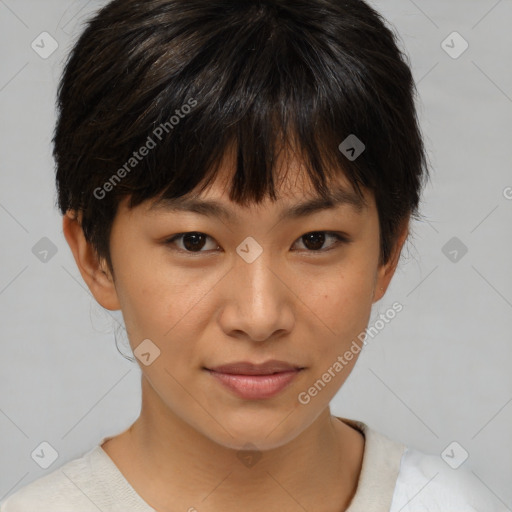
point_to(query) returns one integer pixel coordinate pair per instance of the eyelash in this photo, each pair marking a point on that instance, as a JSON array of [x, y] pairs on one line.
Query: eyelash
[[340, 240]]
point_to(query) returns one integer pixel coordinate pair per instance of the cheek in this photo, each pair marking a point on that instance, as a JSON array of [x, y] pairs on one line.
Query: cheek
[[163, 303], [341, 301], [339, 311], [345, 311]]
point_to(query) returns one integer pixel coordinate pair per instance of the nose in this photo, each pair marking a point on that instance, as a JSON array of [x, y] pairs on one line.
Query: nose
[[258, 302]]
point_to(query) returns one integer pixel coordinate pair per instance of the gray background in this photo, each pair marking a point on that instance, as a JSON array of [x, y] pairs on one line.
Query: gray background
[[438, 373]]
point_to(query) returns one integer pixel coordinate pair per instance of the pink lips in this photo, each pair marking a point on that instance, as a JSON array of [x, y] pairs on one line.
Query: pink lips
[[255, 381]]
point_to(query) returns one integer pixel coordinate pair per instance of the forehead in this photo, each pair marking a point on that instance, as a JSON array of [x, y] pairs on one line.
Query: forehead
[[296, 195], [301, 206]]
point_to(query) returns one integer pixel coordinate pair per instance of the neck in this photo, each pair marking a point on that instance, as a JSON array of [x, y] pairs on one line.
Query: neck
[[172, 465]]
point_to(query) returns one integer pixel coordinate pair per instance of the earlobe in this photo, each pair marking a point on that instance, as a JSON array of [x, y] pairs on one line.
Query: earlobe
[[94, 271]]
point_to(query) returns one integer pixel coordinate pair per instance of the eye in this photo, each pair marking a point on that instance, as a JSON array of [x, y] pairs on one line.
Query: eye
[[195, 241], [314, 240]]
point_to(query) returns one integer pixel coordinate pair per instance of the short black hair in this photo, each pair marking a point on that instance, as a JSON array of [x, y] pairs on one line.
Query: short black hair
[[188, 79]]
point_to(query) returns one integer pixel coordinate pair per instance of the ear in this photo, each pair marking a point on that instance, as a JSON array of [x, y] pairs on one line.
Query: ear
[[95, 272], [386, 271]]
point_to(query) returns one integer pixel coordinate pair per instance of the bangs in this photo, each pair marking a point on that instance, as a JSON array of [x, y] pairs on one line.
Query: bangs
[[251, 86]]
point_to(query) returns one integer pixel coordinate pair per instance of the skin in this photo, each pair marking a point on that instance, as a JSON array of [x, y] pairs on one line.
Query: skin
[[292, 303]]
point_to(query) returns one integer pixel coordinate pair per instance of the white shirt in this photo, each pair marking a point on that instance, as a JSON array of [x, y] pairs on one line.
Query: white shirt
[[393, 478]]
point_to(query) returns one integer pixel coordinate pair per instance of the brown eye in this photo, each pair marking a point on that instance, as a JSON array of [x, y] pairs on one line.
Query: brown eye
[[191, 242], [195, 241], [315, 240]]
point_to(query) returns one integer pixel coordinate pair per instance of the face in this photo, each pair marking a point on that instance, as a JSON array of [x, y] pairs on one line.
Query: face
[[253, 287]]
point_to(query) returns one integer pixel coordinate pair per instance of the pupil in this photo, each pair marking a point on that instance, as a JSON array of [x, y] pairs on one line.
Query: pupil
[[318, 240], [196, 243]]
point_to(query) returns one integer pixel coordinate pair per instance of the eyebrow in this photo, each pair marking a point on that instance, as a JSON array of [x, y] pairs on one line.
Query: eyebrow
[[213, 208]]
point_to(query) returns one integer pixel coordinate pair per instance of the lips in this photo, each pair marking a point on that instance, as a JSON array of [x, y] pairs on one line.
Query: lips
[[247, 368], [255, 381]]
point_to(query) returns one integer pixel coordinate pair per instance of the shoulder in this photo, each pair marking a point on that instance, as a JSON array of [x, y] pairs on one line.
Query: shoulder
[[74, 486], [426, 483]]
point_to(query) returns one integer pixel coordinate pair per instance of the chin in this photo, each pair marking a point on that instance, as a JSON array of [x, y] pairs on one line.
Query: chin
[[266, 430]]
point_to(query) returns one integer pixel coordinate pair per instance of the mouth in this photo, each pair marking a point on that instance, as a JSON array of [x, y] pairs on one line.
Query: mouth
[[255, 381]]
